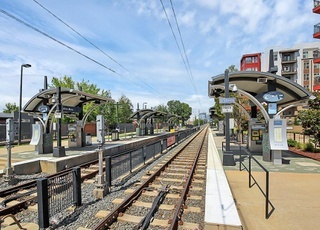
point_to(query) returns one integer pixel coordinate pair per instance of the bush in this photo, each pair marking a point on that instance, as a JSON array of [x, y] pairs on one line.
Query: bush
[[309, 147], [292, 143], [299, 145]]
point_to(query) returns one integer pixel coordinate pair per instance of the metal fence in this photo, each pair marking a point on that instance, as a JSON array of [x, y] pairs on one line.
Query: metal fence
[[122, 164], [299, 137], [58, 193]]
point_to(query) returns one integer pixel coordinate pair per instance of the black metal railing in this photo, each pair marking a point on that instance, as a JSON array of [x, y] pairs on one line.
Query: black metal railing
[[123, 164], [267, 187], [316, 28], [58, 193]]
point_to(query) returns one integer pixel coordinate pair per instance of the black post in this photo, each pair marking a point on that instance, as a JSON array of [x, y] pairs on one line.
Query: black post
[[108, 171], [59, 151], [43, 203], [228, 157], [267, 195], [77, 186], [249, 170], [130, 162], [227, 115]]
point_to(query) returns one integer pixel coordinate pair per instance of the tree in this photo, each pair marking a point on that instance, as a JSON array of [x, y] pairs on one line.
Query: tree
[[125, 109], [310, 119], [180, 109], [232, 68], [87, 87], [10, 108]]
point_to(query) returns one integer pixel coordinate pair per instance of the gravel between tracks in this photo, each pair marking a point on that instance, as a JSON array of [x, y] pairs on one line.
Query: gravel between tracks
[[84, 216]]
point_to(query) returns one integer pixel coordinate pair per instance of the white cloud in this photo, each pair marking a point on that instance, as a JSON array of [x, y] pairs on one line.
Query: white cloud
[[137, 35]]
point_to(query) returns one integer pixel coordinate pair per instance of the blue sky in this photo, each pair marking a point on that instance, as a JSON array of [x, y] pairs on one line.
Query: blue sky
[[145, 61]]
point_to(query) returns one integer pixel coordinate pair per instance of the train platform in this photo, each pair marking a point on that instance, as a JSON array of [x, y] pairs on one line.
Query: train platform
[[294, 192], [25, 154], [294, 187]]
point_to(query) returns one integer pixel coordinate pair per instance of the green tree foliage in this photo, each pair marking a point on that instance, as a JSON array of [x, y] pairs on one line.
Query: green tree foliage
[[85, 86], [125, 109], [180, 109], [10, 107], [310, 119], [232, 68]]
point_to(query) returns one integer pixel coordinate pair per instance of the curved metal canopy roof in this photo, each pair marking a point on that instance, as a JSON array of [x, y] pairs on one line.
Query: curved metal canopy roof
[[256, 83], [69, 98], [147, 113]]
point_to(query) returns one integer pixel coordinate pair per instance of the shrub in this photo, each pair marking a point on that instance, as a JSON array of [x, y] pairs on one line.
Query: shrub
[[299, 145], [292, 143], [309, 147]]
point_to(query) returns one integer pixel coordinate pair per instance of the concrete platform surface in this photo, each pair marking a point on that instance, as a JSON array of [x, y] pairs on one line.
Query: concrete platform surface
[[294, 192]]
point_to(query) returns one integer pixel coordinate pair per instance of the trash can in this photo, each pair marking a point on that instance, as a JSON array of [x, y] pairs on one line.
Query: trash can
[[88, 139], [114, 135]]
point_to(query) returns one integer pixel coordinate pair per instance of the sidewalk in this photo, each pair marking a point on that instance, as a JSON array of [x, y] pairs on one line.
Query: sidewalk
[[294, 192]]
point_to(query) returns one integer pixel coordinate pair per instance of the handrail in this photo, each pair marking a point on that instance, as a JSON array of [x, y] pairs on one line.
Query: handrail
[[266, 193]]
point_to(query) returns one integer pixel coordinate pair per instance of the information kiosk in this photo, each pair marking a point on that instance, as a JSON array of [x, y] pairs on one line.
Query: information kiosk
[[256, 130], [278, 139], [36, 139]]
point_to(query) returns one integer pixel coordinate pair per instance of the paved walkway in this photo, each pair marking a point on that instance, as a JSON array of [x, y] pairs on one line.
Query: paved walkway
[[294, 192]]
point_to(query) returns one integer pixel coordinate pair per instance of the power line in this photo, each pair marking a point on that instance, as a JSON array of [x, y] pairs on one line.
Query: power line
[[94, 45], [184, 49], [185, 60], [56, 40], [79, 34], [67, 46]]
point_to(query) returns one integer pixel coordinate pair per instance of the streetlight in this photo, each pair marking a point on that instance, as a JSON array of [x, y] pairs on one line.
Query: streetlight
[[144, 105], [20, 102]]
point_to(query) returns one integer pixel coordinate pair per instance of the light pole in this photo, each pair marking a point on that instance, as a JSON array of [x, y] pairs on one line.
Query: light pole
[[20, 102], [144, 105]]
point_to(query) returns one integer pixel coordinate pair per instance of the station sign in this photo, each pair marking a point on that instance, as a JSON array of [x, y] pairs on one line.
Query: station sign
[[227, 108], [230, 100], [273, 96]]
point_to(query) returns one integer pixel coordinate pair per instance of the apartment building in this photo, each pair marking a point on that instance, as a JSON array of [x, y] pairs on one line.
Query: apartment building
[[300, 63]]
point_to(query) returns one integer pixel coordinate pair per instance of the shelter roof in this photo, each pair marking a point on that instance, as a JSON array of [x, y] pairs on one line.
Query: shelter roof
[[69, 98], [255, 83], [146, 113]]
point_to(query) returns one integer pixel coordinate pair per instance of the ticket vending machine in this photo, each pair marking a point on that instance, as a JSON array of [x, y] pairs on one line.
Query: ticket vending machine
[[256, 130], [75, 135], [277, 139]]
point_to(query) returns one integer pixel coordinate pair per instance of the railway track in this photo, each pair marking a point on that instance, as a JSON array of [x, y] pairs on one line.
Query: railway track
[[19, 197], [171, 195]]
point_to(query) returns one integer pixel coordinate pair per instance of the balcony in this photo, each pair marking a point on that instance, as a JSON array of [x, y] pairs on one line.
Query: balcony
[[316, 7], [316, 31], [288, 59], [316, 56]]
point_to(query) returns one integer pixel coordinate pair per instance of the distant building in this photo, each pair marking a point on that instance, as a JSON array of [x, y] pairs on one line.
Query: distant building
[[250, 62], [299, 63]]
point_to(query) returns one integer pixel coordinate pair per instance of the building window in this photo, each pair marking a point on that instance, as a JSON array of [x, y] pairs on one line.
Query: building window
[[316, 66], [286, 58], [306, 65], [305, 54], [306, 77], [275, 56], [248, 69], [248, 60]]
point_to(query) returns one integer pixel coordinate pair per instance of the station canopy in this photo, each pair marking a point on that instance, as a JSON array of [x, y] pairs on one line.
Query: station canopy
[[147, 113], [70, 99], [257, 84]]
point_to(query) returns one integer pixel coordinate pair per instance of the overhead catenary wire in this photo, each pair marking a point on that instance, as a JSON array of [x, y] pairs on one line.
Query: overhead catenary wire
[[184, 57], [91, 43], [67, 46]]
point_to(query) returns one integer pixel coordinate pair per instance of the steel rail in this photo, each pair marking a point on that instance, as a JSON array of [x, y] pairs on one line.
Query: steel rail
[[112, 216], [176, 219]]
